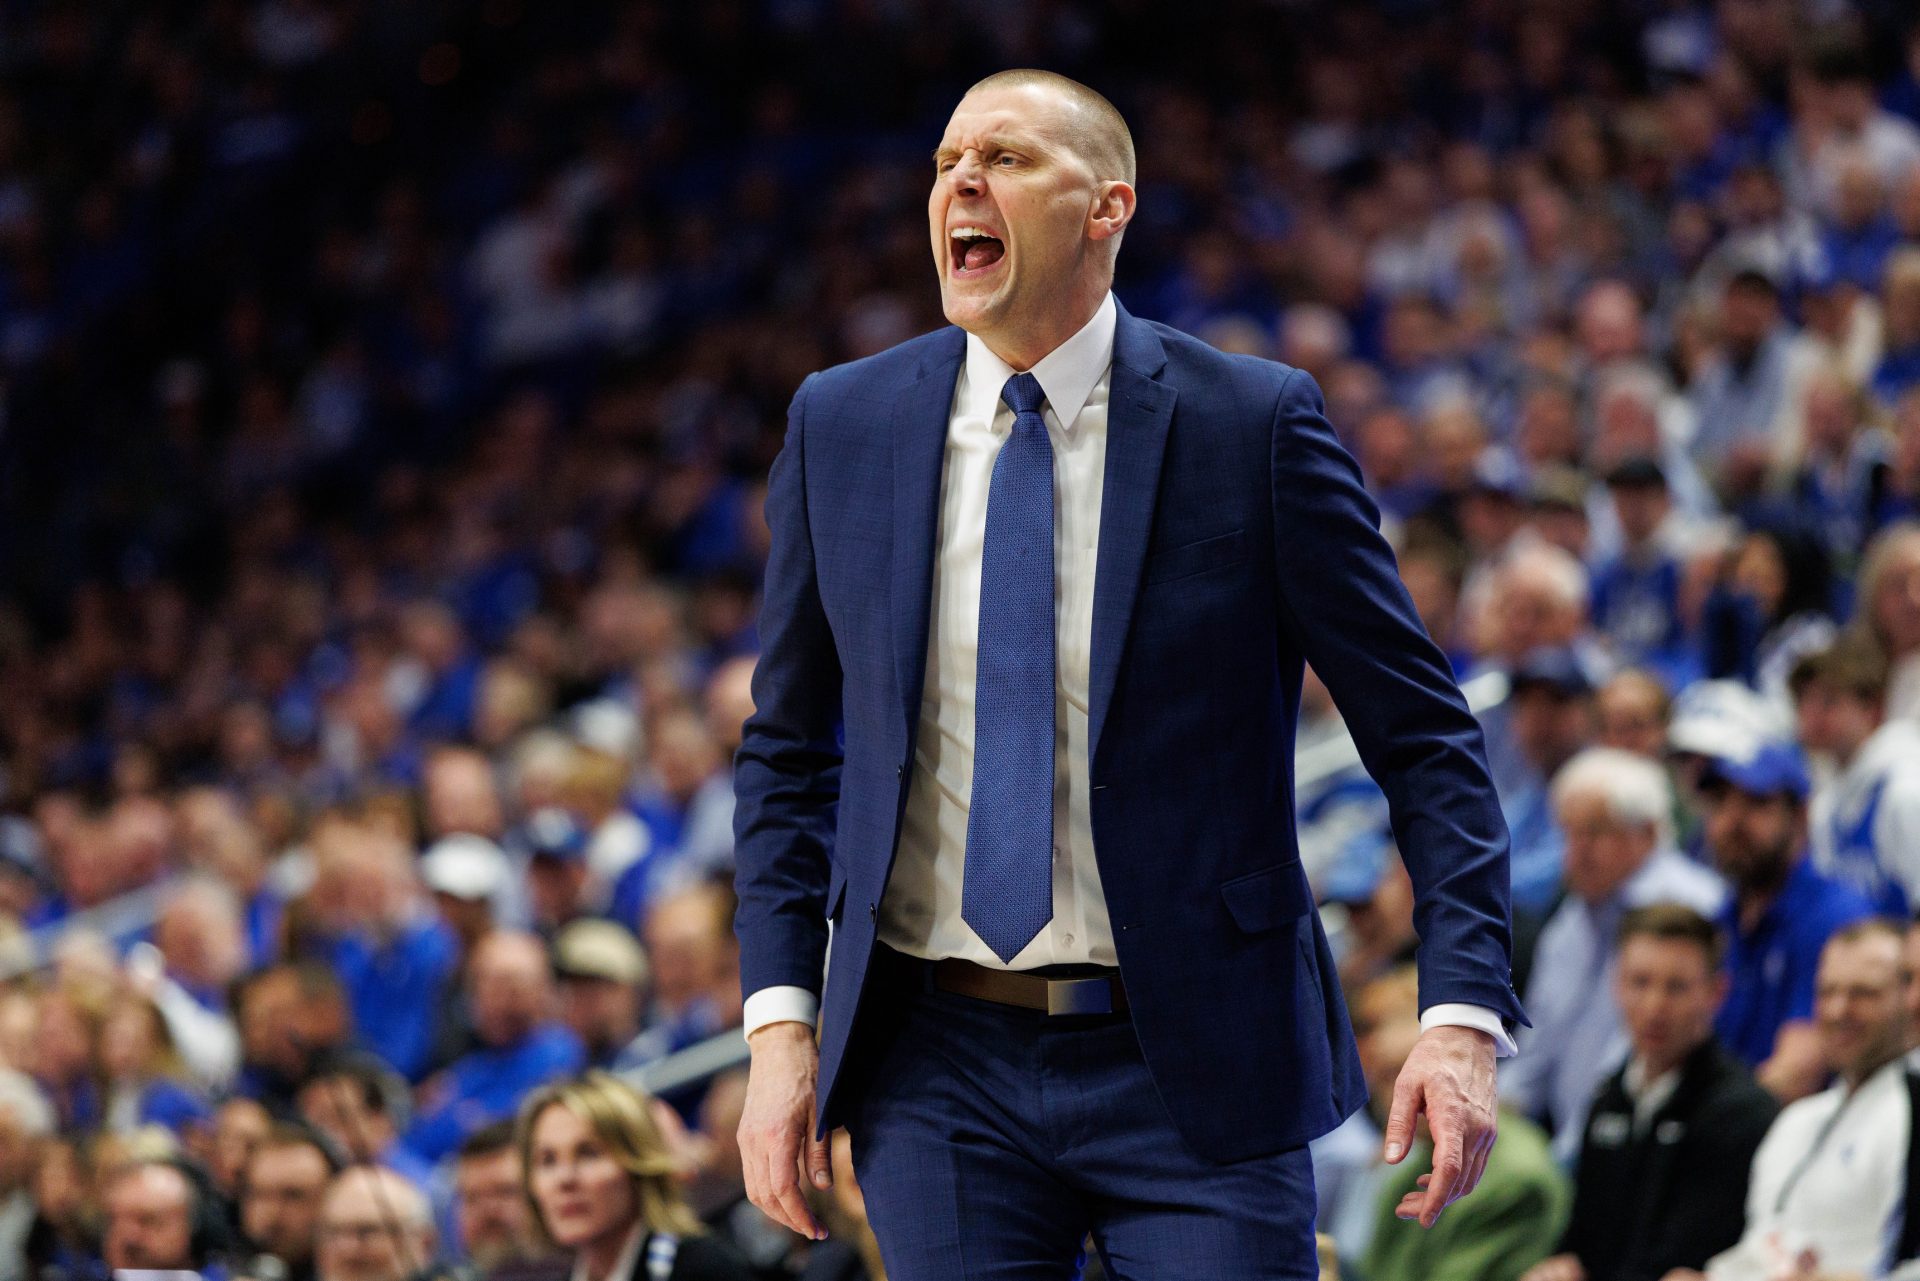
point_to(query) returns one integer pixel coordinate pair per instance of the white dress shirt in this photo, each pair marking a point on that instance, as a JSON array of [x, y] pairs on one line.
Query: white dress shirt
[[1829, 1177], [920, 913]]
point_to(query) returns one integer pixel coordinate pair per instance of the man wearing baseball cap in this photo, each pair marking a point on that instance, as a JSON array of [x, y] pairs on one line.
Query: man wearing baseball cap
[[1781, 913]]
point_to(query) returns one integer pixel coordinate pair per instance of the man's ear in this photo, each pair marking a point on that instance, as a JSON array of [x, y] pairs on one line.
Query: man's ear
[[1113, 206]]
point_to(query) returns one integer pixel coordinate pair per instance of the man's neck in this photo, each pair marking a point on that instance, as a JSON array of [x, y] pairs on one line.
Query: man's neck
[[1754, 902], [1033, 344], [1652, 1068], [1859, 1076]]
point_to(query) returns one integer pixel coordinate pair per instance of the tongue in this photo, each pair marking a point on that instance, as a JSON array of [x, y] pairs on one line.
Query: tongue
[[982, 253]]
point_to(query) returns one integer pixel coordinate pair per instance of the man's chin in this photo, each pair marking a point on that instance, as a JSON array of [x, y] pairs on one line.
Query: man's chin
[[974, 310]]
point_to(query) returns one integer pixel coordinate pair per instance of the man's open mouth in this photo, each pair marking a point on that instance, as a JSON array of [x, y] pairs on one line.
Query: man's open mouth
[[973, 250]]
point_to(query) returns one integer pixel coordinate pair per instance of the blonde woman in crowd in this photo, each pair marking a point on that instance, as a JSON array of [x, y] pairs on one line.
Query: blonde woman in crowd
[[604, 1186], [1889, 608]]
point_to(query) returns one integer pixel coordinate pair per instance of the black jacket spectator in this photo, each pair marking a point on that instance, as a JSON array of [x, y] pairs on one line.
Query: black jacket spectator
[[1673, 1192]]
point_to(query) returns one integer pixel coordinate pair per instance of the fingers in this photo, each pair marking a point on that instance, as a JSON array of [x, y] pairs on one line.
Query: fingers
[[771, 1163], [783, 1179], [1477, 1153], [1449, 1164], [1408, 1095], [819, 1162]]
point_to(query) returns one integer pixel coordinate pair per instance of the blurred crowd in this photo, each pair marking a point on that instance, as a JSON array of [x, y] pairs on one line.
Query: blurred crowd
[[386, 395]]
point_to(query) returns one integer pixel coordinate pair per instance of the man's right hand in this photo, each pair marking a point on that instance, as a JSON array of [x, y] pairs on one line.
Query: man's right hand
[[777, 1147]]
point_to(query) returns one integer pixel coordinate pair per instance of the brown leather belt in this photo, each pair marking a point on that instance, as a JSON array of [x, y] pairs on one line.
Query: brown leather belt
[[1102, 994]]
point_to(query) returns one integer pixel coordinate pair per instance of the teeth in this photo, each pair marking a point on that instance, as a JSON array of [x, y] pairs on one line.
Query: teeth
[[971, 233]]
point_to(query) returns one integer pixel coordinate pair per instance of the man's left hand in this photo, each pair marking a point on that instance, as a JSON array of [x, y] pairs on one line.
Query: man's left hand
[[1450, 1078]]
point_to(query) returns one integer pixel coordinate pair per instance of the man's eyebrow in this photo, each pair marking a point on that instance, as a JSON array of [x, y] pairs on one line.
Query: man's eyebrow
[[994, 142]]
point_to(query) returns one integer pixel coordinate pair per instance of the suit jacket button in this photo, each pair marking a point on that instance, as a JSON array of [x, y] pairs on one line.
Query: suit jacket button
[[899, 771], [873, 911]]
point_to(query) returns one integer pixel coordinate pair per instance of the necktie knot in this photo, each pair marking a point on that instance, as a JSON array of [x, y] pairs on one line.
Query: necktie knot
[[1022, 394]]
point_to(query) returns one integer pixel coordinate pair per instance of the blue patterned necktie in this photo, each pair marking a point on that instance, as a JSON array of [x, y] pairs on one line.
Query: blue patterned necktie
[[1007, 894]]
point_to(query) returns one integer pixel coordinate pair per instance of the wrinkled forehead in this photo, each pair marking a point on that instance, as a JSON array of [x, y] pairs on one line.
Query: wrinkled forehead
[[1028, 114]]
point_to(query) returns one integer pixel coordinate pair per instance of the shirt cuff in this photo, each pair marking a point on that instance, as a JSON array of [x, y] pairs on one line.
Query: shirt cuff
[[778, 1005], [1477, 1017]]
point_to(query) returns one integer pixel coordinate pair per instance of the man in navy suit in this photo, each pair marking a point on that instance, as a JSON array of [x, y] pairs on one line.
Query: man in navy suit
[[1040, 591]]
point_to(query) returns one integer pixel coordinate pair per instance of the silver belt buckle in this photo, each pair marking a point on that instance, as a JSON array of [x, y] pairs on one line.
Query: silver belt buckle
[[1079, 996]]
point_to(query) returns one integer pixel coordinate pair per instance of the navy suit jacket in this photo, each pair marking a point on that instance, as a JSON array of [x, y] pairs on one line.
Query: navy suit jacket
[[1235, 542]]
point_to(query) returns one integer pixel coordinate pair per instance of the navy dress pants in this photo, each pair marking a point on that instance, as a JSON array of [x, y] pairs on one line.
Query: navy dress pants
[[990, 1140]]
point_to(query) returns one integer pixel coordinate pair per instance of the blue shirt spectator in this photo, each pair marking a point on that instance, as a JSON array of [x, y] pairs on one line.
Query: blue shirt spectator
[[1782, 910], [1772, 962], [396, 984], [509, 1000]]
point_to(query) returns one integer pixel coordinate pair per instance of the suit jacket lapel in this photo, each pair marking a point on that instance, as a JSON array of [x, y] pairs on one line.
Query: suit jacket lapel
[[919, 437], [1139, 410]]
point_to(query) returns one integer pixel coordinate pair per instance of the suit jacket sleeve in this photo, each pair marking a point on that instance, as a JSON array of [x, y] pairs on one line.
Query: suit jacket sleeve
[[787, 772], [1349, 614]]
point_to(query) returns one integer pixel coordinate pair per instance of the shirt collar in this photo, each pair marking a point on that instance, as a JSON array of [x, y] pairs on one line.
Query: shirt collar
[[1066, 374]]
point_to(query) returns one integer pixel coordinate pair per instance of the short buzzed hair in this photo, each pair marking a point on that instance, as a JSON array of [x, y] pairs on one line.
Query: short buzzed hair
[[1674, 923], [1103, 137]]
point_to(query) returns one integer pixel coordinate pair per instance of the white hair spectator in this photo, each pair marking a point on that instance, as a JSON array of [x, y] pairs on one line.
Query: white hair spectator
[[1634, 788], [1538, 564]]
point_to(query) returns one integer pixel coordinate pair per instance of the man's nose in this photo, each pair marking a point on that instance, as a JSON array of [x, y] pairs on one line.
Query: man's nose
[[967, 175]]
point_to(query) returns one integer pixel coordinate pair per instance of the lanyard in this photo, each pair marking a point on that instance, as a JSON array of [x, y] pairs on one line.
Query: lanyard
[[1813, 1149], [661, 1251]]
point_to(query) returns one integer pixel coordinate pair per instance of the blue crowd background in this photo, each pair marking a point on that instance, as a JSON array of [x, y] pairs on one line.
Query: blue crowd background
[[387, 392]]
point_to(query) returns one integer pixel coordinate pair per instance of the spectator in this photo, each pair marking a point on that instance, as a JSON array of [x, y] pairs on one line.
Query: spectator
[[26, 1121], [510, 1001], [1656, 1186], [1614, 809], [1890, 611], [602, 974], [1630, 713], [1636, 595], [1534, 599], [374, 1226], [603, 1186], [1841, 464], [66, 1053], [1557, 509], [1741, 395], [468, 877], [495, 1226], [1780, 915], [281, 1187], [594, 792], [1863, 821], [146, 1078], [288, 1016], [1515, 1215], [1898, 370], [559, 883], [696, 993], [394, 956], [1551, 720], [202, 949], [706, 845], [360, 1106], [1770, 606], [461, 796], [159, 1215], [1826, 1181], [240, 1125]]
